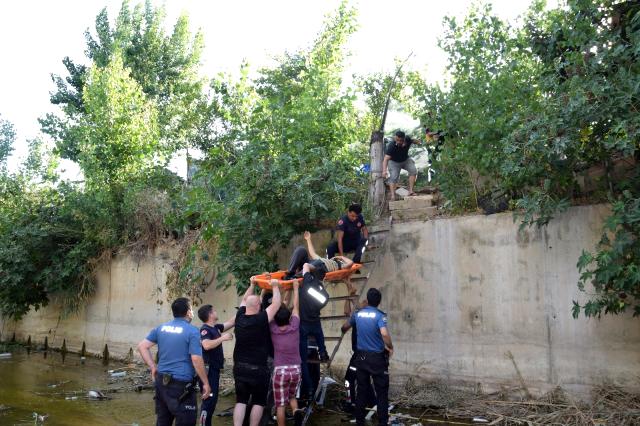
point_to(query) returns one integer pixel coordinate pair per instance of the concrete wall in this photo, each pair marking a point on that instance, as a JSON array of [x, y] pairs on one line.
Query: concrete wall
[[463, 292], [128, 303], [460, 294]]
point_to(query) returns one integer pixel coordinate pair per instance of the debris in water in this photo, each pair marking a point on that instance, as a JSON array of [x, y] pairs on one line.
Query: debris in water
[[55, 385], [118, 374], [5, 355], [480, 420], [71, 398], [40, 418], [94, 394]]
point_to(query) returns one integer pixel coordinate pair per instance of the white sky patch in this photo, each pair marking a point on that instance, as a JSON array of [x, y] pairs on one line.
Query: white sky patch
[[36, 35]]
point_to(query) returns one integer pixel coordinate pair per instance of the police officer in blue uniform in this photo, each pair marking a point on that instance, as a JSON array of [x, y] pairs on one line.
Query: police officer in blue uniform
[[372, 359], [351, 235], [179, 358], [212, 335]]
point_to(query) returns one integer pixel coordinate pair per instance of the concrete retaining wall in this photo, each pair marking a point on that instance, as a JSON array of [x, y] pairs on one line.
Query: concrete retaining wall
[[461, 293]]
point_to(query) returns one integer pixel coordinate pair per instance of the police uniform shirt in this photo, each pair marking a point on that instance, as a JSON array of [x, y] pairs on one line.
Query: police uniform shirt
[[214, 358], [351, 229], [368, 322], [177, 340], [399, 154]]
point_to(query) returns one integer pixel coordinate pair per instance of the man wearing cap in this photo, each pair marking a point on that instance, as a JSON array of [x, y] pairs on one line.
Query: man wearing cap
[[372, 360]]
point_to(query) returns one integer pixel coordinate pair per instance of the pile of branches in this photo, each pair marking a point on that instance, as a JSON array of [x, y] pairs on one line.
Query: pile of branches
[[609, 405]]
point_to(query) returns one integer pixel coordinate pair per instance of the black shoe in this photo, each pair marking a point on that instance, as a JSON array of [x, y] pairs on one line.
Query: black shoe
[[289, 276], [298, 417], [324, 356]]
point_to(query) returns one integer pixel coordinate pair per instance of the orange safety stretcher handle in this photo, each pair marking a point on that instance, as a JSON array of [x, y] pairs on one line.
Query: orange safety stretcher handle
[[264, 280]]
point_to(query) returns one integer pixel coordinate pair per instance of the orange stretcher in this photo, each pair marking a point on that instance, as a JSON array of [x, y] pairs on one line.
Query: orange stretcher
[[264, 280]]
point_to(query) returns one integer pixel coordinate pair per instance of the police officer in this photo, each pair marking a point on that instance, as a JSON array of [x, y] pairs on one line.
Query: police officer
[[372, 361], [350, 377], [212, 335], [179, 358], [351, 235]]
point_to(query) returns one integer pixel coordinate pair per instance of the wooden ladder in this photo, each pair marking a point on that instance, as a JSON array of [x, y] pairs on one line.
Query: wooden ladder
[[377, 239]]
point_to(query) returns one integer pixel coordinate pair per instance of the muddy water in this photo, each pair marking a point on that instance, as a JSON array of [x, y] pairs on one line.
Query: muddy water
[[33, 383]]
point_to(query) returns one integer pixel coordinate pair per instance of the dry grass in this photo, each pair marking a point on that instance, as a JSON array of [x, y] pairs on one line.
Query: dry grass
[[609, 405]]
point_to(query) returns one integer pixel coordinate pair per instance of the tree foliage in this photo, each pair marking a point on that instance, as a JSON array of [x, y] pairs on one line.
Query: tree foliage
[[121, 118], [533, 111], [282, 155]]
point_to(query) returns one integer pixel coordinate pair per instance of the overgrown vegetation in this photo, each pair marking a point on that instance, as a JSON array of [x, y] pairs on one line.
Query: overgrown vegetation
[[544, 116]]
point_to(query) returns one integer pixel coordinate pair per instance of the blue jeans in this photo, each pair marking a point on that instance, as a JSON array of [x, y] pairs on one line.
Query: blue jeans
[[310, 329], [209, 404]]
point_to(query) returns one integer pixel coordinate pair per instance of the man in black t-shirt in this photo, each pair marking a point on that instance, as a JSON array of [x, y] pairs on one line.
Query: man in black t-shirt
[[313, 297], [211, 338], [250, 370], [351, 234], [397, 158]]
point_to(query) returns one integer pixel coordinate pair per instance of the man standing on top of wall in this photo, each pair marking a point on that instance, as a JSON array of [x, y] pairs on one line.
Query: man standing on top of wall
[[351, 235], [179, 358]]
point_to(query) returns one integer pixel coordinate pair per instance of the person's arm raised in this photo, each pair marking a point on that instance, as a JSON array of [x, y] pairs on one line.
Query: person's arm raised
[[296, 298], [310, 248], [249, 292], [276, 301]]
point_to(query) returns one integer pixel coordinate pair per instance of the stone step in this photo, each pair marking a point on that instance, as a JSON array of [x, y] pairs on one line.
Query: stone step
[[425, 213], [416, 202]]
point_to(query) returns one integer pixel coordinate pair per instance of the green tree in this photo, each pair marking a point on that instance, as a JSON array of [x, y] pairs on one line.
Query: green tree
[[282, 155], [166, 66], [118, 134], [531, 110]]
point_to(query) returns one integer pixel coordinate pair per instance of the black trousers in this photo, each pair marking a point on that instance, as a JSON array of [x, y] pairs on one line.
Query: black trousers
[[351, 382], [299, 257], [169, 408], [209, 404], [348, 245], [372, 365]]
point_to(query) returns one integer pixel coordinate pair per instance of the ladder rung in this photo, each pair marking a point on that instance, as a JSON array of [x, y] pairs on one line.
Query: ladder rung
[[315, 361], [334, 317], [337, 298], [360, 278]]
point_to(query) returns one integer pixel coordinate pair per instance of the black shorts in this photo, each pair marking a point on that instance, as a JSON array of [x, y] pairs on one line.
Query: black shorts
[[251, 383]]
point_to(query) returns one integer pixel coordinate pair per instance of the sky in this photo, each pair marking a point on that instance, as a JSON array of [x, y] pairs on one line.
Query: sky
[[36, 35]]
